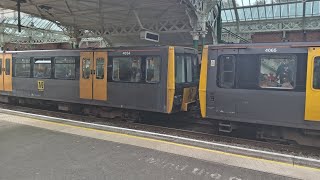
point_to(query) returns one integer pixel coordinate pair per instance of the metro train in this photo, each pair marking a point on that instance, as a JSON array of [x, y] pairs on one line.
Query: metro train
[[272, 88], [114, 82]]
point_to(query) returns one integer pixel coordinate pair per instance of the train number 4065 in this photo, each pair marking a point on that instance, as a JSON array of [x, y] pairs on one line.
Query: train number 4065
[[271, 50]]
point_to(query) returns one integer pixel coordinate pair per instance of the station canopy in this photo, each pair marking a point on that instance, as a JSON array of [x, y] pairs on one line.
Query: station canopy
[[249, 10], [120, 21]]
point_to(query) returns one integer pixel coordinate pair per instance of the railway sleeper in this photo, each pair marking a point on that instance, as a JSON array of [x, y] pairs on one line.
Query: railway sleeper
[[289, 136]]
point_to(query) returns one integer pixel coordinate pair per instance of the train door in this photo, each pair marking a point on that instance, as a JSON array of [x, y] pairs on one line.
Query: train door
[[93, 75], [312, 109], [6, 72], [1, 72]]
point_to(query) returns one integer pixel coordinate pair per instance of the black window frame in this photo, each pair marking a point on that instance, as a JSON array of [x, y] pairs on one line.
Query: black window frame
[[294, 79], [142, 76], [53, 67], [160, 68], [314, 85], [8, 69], [1, 69], [143, 67], [51, 64], [221, 71], [14, 61], [193, 66]]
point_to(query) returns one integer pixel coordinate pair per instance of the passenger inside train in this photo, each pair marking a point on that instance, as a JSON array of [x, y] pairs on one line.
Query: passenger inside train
[[277, 72]]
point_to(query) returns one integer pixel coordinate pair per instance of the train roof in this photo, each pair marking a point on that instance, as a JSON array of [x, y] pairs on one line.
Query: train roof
[[266, 45], [97, 49]]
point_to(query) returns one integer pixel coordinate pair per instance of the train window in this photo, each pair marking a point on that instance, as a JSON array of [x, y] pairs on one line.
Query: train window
[[86, 68], [127, 69], [153, 69], [180, 69], [8, 67], [42, 68], [189, 67], [277, 71], [64, 68], [1, 66], [316, 73], [227, 71], [100, 68], [22, 67]]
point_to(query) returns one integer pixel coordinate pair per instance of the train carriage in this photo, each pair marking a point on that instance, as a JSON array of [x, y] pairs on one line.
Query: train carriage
[[159, 79], [274, 87]]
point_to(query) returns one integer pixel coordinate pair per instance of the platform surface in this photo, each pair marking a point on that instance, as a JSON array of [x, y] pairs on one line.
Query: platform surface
[[28, 152]]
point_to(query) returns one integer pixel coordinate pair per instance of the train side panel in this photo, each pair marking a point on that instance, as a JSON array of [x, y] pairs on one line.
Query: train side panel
[[240, 98]]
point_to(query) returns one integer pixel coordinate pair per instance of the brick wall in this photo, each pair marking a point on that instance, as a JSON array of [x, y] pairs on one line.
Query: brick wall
[[19, 47], [292, 36]]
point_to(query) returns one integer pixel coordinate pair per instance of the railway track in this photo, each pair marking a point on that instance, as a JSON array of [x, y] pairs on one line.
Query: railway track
[[179, 128]]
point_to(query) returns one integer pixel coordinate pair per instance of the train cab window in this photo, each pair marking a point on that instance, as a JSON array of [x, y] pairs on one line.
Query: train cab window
[[277, 71], [42, 68], [189, 67], [316, 73], [86, 68], [127, 69], [180, 69], [153, 69], [8, 66], [227, 71], [64, 68], [22, 67], [100, 68]]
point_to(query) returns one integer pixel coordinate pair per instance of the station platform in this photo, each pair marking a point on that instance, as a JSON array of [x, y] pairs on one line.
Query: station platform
[[31, 148]]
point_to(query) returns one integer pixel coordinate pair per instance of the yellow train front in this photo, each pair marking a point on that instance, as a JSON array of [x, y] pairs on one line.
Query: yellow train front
[[107, 82], [273, 88]]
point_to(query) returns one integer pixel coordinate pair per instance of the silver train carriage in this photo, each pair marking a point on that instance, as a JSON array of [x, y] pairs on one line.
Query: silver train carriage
[[161, 79], [274, 87]]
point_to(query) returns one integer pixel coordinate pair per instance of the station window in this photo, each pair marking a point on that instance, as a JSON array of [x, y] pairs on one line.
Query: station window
[[8, 66], [277, 71], [127, 69], [22, 67], [86, 68], [42, 68], [64, 68], [180, 69], [227, 71], [153, 69], [316, 73]]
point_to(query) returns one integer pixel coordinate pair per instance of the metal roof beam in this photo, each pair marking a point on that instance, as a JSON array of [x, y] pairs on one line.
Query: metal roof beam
[[304, 15], [234, 4]]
